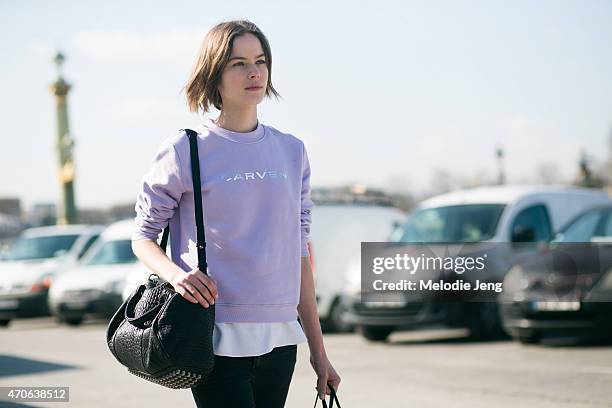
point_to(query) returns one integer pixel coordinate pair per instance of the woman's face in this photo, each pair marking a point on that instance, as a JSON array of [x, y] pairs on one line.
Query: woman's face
[[245, 78]]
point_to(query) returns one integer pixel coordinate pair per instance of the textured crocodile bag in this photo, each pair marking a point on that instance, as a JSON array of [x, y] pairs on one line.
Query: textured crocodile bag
[[157, 333]]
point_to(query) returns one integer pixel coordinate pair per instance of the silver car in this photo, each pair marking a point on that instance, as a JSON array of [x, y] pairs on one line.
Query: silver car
[[33, 261]]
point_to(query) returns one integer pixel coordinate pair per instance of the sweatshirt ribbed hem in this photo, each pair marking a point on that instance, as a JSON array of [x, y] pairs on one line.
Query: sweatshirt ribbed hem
[[225, 313]]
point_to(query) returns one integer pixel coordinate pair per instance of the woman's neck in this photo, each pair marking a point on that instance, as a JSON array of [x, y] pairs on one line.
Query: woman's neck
[[238, 120]]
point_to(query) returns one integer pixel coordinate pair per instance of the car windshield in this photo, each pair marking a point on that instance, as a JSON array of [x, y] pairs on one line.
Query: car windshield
[[593, 223], [51, 246], [113, 252], [457, 223]]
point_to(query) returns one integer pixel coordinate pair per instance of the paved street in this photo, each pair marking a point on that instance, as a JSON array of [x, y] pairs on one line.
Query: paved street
[[415, 369]]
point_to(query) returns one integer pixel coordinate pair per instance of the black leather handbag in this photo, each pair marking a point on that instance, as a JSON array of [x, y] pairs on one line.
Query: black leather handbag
[[157, 333]]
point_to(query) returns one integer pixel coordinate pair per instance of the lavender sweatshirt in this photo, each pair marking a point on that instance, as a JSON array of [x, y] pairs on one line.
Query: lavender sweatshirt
[[257, 214]]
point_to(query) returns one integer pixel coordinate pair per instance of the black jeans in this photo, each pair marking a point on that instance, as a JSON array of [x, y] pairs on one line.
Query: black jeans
[[248, 382]]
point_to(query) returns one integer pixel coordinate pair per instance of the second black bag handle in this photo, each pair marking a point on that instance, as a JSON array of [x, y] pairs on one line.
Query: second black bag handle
[[333, 397], [197, 197]]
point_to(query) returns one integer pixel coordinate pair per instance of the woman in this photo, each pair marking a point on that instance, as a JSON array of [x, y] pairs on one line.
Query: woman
[[256, 204]]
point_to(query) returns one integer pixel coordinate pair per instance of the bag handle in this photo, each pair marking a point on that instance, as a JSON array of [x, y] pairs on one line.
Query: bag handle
[[332, 397], [197, 197], [131, 305]]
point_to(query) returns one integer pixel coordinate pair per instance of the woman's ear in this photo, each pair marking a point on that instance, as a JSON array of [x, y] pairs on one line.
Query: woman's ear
[[219, 103]]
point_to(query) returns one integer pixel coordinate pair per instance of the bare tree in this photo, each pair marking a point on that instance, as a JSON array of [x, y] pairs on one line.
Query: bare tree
[[587, 177]]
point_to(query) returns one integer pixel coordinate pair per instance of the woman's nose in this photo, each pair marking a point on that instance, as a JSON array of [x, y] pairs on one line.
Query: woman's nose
[[254, 72]]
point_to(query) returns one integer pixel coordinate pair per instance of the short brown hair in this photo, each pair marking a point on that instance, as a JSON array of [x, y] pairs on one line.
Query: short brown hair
[[215, 51]]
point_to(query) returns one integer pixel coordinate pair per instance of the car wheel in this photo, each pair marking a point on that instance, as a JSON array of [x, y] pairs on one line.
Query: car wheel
[[375, 333], [4, 322], [336, 322], [74, 321], [484, 322]]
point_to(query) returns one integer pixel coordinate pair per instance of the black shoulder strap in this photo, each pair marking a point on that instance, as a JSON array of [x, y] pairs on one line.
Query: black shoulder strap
[[197, 197]]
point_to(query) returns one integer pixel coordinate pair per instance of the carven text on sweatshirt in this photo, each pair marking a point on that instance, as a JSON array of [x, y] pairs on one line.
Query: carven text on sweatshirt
[[257, 214]]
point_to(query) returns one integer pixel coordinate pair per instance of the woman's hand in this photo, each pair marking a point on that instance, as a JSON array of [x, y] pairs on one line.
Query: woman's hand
[[326, 374], [196, 287]]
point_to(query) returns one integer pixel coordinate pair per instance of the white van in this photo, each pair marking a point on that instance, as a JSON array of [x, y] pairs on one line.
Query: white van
[[514, 213], [95, 285], [335, 239], [543, 209]]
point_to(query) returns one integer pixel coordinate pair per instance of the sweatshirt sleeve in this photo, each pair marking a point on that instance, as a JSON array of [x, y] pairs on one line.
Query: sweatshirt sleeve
[[161, 191], [307, 204]]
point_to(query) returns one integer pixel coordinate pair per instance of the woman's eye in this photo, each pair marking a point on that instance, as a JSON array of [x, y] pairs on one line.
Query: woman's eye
[[240, 63]]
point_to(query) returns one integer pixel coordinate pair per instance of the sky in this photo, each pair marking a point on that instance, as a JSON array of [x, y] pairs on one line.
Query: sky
[[389, 94]]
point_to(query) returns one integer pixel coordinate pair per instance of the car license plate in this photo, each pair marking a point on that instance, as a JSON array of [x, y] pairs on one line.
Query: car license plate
[[8, 303], [75, 304], [384, 304], [555, 306]]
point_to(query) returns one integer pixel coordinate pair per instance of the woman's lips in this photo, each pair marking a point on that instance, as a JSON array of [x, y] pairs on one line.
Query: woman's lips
[[254, 88]]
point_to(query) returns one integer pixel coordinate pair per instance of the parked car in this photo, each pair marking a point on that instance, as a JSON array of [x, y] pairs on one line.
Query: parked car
[[32, 263], [139, 276], [94, 286], [336, 236], [498, 214], [566, 289]]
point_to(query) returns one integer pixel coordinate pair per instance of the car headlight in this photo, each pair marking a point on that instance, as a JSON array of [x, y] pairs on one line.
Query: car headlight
[[114, 286], [43, 283], [18, 288], [605, 283], [353, 278], [515, 280], [602, 290]]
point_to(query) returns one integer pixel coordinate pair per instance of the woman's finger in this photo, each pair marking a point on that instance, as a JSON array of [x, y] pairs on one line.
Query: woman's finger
[[203, 291], [208, 282], [211, 285], [322, 386], [195, 293], [334, 378], [334, 383], [184, 293]]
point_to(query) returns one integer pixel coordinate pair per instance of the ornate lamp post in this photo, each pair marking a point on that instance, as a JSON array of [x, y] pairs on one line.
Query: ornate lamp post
[[67, 213], [501, 177]]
